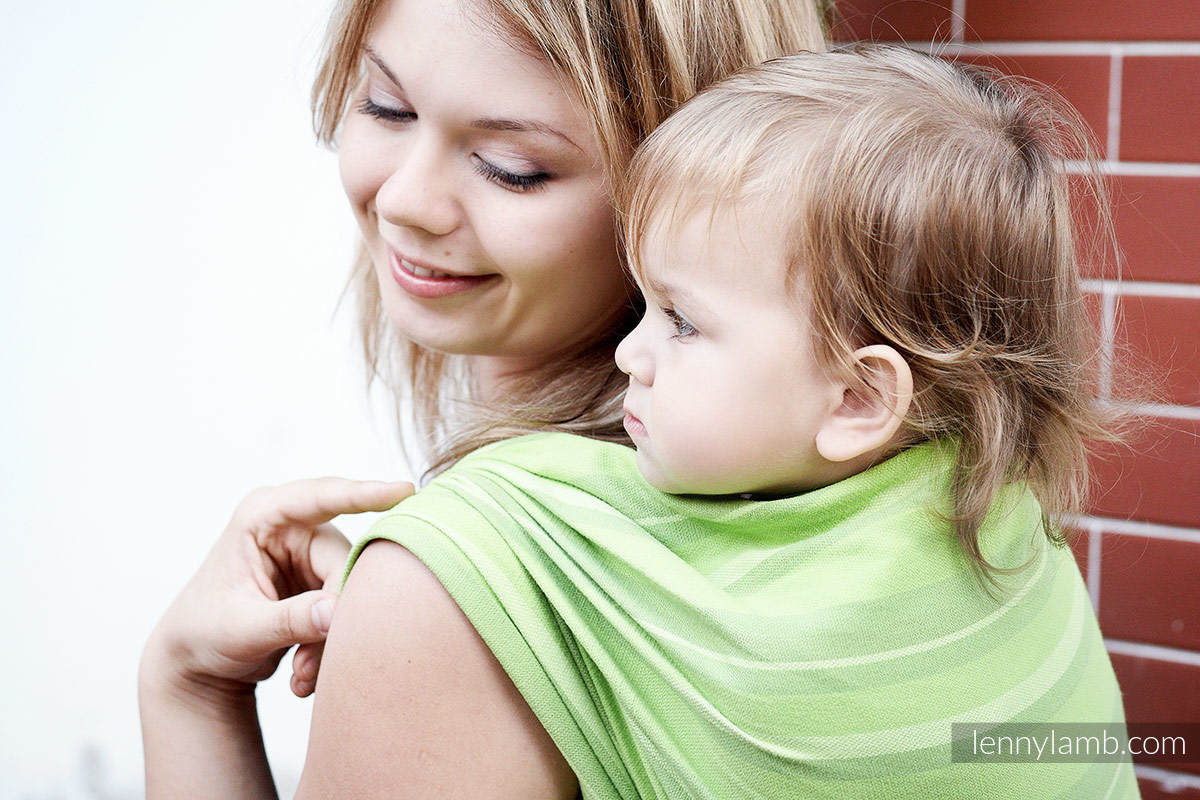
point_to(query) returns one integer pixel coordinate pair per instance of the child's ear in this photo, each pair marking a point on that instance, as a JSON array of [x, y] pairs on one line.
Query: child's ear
[[869, 417]]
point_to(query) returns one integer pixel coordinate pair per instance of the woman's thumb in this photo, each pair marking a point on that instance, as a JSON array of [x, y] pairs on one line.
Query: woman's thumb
[[301, 619], [321, 614]]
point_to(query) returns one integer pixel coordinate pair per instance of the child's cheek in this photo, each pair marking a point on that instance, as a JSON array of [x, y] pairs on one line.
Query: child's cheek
[[702, 452]]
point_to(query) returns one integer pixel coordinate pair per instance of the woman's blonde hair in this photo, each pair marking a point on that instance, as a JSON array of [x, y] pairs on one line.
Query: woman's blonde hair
[[929, 210], [629, 63]]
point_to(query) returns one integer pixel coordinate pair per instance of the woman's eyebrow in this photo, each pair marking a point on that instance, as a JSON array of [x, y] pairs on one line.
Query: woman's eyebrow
[[521, 125], [371, 54]]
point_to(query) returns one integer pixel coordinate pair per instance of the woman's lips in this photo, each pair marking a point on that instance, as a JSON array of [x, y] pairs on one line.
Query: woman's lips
[[430, 285]]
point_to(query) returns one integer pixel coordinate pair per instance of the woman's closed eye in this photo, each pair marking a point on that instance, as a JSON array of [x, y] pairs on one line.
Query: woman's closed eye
[[385, 113], [513, 181], [683, 328]]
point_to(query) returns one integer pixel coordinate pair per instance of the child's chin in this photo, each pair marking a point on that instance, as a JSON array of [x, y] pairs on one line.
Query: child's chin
[[651, 473], [654, 476]]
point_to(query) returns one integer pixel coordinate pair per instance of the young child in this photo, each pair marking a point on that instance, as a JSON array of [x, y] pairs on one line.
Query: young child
[[846, 255], [860, 387]]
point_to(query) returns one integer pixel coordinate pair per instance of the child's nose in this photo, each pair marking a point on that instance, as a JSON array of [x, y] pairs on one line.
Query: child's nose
[[633, 358]]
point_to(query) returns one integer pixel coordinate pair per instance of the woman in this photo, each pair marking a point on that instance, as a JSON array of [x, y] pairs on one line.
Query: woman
[[478, 145]]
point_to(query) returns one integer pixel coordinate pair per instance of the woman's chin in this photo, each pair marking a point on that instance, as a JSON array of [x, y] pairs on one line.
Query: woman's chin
[[460, 331], [446, 342]]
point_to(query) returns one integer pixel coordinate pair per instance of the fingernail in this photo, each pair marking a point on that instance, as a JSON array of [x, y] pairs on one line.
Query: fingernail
[[322, 613]]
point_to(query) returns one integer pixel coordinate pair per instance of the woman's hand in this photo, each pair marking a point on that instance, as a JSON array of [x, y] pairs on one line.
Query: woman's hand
[[268, 583]]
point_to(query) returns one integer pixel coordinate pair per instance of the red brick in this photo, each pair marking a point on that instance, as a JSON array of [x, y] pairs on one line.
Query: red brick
[[1156, 227], [892, 20], [1158, 342], [1154, 690], [1159, 691], [1078, 539], [1148, 590], [1159, 99], [1094, 252], [1155, 479], [1105, 20], [1094, 304], [1152, 789], [1081, 80]]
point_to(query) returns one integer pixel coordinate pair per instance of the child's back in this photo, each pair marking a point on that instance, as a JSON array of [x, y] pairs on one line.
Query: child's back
[[818, 645]]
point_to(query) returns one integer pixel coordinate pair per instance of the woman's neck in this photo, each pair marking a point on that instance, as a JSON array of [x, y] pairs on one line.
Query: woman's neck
[[491, 372]]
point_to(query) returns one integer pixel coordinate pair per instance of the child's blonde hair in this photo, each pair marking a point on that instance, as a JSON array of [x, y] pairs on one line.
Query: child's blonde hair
[[929, 211]]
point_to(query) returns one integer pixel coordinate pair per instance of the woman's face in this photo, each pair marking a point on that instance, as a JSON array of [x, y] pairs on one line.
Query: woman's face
[[467, 158]]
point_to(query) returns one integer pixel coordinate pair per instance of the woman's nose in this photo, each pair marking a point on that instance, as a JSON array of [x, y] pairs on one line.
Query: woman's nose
[[634, 358], [421, 193]]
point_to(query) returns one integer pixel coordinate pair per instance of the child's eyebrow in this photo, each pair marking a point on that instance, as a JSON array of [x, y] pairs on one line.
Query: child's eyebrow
[[679, 294], [659, 288]]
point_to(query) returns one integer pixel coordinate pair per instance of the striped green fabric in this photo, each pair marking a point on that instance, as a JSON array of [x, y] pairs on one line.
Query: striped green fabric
[[814, 646]]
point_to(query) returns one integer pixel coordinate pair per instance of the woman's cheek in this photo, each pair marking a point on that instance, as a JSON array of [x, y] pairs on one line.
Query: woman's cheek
[[538, 226], [360, 167], [591, 253], [510, 233], [596, 224], [558, 249]]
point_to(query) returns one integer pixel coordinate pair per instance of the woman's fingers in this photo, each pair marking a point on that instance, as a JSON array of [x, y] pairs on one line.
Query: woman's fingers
[[290, 524], [306, 663], [280, 624], [315, 501], [327, 554], [269, 582]]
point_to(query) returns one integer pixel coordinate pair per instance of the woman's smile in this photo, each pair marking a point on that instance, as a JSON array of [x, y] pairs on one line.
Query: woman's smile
[[422, 280]]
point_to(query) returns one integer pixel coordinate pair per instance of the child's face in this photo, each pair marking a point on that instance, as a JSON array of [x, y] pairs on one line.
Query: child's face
[[725, 395]]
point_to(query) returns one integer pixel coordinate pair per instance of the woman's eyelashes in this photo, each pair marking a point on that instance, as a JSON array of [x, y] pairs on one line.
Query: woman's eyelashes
[[513, 181], [683, 328], [373, 109]]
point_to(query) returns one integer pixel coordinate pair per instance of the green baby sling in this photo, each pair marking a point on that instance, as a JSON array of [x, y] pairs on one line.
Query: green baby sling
[[814, 646]]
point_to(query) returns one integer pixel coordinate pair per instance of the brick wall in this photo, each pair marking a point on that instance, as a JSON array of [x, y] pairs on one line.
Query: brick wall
[[1132, 69]]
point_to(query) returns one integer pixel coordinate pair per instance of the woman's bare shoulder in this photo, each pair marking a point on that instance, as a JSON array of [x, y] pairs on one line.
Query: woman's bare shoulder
[[410, 702]]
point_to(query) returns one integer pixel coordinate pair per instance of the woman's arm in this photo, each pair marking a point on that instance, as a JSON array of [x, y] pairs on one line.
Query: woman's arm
[[411, 702], [257, 593], [200, 741]]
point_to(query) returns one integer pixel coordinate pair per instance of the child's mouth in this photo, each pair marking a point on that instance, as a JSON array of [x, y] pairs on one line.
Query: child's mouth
[[634, 426]]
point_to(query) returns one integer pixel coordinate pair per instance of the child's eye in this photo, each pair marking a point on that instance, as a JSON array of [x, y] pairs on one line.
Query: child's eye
[[373, 109], [683, 328]]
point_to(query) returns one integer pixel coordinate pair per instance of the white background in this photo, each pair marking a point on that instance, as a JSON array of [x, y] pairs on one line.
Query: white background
[[173, 244]]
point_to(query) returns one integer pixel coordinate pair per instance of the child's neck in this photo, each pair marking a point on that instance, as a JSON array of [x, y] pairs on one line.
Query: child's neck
[[830, 472]]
